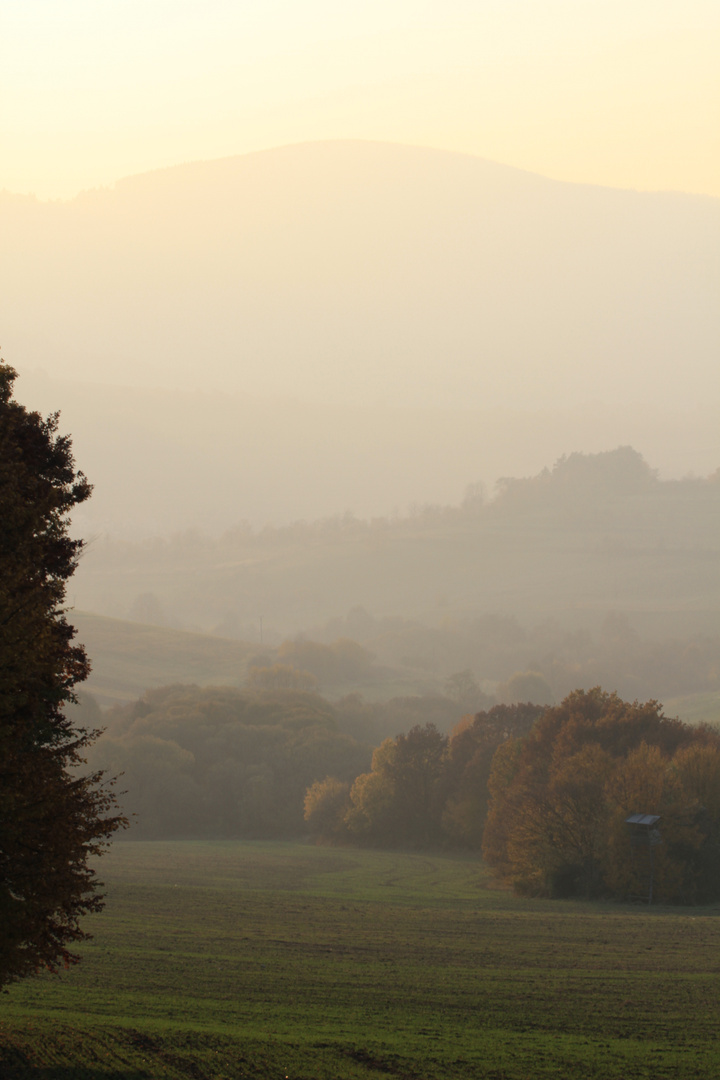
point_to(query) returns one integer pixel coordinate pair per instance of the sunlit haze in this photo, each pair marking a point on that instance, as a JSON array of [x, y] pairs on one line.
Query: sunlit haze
[[358, 256], [624, 93], [359, 538]]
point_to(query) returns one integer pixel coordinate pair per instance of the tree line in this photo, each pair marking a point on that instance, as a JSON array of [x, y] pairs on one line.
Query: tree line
[[592, 531], [541, 792], [619, 484], [545, 794]]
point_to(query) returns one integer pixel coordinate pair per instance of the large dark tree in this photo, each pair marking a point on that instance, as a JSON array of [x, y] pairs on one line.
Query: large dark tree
[[53, 819]]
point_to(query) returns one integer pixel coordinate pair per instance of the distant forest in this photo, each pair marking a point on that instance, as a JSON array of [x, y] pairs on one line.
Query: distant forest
[[604, 492], [595, 572], [542, 664]]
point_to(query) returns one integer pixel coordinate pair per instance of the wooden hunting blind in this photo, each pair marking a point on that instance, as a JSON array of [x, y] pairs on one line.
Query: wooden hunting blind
[[644, 838]]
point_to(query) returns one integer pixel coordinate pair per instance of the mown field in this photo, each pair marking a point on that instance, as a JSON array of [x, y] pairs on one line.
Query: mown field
[[231, 960]]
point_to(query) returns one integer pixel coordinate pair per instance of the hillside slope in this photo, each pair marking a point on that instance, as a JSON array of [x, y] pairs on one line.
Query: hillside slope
[[128, 658]]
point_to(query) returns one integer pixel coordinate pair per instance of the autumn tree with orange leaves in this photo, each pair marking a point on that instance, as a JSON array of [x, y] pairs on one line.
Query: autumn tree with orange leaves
[[559, 799]]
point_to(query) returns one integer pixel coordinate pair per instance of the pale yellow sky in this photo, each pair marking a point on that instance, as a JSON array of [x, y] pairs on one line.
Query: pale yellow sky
[[618, 92]]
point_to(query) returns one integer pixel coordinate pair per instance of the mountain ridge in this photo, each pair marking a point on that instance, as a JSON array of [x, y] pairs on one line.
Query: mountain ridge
[[371, 271], [127, 180]]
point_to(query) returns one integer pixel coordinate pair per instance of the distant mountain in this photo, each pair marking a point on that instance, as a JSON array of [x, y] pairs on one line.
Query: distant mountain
[[370, 273]]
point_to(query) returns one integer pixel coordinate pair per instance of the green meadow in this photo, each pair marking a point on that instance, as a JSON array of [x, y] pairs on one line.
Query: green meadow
[[259, 960]]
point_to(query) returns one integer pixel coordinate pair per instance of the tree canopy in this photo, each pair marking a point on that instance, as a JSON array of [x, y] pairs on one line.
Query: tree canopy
[[425, 789], [52, 819], [560, 797], [223, 762], [546, 793]]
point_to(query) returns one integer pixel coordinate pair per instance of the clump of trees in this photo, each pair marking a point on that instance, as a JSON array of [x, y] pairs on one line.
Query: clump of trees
[[52, 821], [424, 789], [545, 794], [559, 799], [221, 762], [342, 661]]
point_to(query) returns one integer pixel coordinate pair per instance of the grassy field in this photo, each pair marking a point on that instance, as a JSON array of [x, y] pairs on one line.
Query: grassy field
[[231, 960]]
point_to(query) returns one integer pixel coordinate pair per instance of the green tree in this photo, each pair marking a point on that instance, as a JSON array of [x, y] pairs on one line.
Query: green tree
[[52, 819]]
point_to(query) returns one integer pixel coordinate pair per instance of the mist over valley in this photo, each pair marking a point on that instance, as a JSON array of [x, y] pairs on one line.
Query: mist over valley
[[360, 540], [350, 271], [357, 326], [303, 380]]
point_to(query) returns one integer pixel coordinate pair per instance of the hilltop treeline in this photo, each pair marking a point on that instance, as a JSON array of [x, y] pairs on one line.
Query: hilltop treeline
[[596, 533], [572, 548], [617, 487]]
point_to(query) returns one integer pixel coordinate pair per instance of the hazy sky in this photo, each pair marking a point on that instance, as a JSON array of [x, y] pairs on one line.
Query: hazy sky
[[617, 92]]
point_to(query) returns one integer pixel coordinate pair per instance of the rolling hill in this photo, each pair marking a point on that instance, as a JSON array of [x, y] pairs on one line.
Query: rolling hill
[[292, 333]]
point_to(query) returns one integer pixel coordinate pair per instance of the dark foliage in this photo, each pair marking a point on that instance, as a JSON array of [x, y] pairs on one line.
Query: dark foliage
[[469, 760], [222, 762], [51, 819]]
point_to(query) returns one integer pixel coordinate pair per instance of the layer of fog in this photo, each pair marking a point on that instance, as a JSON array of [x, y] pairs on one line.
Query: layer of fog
[[370, 273], [166, 461]]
